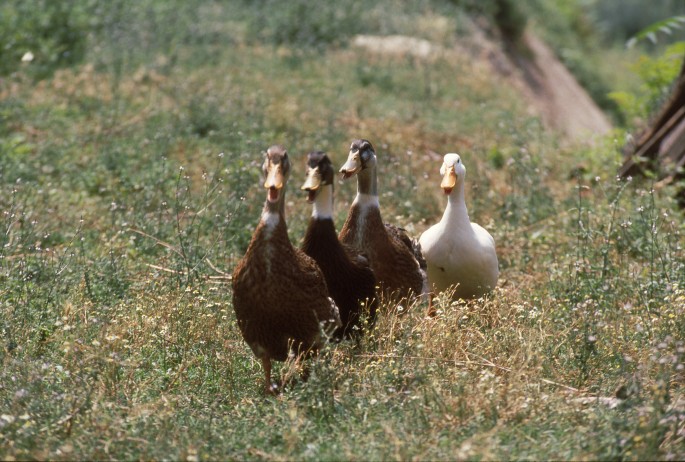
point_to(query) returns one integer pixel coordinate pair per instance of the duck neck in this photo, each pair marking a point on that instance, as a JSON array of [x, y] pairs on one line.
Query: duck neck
[[456, 212], [323, 204], [274, 212], [367, 192]]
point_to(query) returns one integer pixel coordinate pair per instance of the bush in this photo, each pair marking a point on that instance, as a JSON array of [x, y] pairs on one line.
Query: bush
[[49, 34], [657, 75], [298, 23]]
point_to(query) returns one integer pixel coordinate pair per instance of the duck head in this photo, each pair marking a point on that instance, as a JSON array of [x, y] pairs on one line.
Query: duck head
[[452, 171], [276, 169], [320, 173], [361, 157]]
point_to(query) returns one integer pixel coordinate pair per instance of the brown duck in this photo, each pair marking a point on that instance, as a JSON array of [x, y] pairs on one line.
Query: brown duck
[[280, 296], [350, 280], [389, 249]]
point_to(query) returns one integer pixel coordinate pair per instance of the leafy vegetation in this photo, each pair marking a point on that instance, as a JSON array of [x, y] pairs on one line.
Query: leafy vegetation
[[657, 74], [129, 188], [47, 34], [575, 29]]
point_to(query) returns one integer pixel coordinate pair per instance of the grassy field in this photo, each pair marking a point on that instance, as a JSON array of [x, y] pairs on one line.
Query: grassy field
[[129, 188]]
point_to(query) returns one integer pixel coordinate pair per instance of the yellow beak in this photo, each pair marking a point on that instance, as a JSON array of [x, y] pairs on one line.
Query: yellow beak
[[352, 166], [313, 181], [274, 177], [274, 182], [449, 180]]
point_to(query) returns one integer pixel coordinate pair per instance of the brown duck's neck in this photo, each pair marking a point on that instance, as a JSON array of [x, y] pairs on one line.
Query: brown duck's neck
[[272, 223], [367, 182], [363, 222], [320, 239], [321, 226], [277, 207]]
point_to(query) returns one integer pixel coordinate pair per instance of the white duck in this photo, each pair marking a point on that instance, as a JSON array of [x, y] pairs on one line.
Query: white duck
[[459, 254]]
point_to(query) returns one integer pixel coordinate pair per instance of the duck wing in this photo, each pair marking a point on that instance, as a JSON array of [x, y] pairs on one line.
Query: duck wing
[[359, 258], [413, 245]]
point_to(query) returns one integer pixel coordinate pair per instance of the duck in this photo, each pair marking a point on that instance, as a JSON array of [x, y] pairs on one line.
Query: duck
[[280, 297], [460, 255], [350, 280], [388, 248]]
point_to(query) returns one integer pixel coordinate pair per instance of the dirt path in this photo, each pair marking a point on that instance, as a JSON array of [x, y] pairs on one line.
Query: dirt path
[[560, 100], [545, 83]]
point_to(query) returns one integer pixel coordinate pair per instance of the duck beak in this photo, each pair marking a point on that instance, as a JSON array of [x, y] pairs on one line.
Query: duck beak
[[312, 184], [352, 166], [274, 182], [449, 180]]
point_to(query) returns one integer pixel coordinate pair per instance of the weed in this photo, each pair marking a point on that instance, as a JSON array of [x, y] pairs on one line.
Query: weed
[[299, 25], [129, 189], [43, 35]]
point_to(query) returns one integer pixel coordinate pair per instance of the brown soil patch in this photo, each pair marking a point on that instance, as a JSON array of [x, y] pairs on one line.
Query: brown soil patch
[[544, 82]]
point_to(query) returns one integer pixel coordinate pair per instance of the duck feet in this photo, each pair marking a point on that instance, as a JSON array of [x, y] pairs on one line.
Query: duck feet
[[432, 312], [270, 389]]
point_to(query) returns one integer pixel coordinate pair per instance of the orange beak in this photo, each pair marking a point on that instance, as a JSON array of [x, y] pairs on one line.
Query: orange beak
[[352, 166], [449, 180], [312, 184], [274, 181]]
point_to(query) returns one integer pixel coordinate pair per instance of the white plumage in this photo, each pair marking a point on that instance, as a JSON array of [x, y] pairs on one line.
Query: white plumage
[[457, 251]]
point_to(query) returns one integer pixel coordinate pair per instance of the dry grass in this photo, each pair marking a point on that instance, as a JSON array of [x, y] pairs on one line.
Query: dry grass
[[127, 198]]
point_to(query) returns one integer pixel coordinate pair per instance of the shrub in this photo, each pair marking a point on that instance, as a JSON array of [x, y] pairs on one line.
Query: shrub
[[299, 23], [47, 34]]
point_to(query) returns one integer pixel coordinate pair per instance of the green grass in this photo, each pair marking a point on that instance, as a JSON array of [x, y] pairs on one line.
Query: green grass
[[129, 188]]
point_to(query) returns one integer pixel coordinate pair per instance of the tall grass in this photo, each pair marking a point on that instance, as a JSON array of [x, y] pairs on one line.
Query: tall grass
[[129, 188]]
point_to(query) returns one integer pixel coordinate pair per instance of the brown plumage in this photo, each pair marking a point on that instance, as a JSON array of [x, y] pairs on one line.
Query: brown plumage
[[280, 296], [389, 250], [350, 280]]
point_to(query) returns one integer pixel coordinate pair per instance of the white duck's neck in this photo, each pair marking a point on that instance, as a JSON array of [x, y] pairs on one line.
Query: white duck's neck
[[456, 214], [323, 204]]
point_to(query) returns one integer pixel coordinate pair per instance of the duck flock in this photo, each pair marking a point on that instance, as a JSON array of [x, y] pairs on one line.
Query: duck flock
[[288, 301]]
